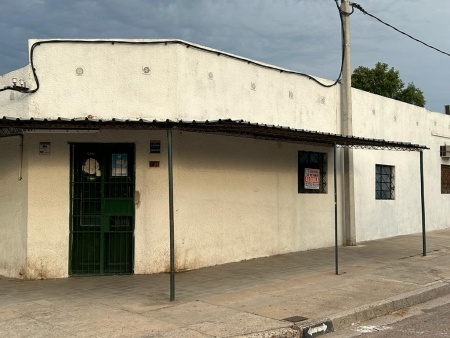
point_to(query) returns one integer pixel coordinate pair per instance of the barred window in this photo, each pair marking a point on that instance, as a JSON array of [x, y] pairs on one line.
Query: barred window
[[384, 182], [312, 172], [445, 179]]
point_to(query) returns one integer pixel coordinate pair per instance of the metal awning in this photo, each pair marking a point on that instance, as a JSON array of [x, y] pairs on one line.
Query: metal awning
[[238, 128], [228, 127]]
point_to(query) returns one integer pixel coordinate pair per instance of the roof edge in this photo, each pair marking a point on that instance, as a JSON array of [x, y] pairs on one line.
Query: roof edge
[[238, 128]]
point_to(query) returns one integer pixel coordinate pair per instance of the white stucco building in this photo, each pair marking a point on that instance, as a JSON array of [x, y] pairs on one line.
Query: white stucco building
[[84, 160]]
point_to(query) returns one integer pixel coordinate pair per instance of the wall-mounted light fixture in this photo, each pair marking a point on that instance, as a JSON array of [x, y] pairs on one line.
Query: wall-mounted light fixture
[[21, 87]]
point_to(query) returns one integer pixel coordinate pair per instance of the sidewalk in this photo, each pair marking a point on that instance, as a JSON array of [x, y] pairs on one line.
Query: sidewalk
[[245, 299]]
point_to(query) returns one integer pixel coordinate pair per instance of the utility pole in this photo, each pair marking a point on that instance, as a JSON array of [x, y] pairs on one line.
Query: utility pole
[[347, 129]]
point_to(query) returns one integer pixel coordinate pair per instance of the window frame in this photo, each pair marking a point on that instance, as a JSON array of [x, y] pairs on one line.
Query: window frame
[[384, 182], [314, 160]]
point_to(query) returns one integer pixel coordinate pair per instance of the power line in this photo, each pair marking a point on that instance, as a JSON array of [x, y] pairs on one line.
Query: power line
[[358, 6]]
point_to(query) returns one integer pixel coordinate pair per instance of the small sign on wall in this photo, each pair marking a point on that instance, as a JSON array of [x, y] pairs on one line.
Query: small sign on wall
[[154, 153], [153, 164], [155, 147], [44, 148], [312, 179]]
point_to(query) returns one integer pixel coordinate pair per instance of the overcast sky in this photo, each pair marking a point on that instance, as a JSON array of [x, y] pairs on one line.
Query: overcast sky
[[302, 35]]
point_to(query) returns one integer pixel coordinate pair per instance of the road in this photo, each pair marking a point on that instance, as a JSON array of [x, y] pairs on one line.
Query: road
[[429, 320]]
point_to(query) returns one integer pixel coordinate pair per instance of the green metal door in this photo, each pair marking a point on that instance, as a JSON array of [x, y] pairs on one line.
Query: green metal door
[[102, 208]]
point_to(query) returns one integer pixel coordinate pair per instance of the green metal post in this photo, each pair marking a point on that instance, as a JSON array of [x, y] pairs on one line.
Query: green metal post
[[172, 236], [422, 198], [335, 214]]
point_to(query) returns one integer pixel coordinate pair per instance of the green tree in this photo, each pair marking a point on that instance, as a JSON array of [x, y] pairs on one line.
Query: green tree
[[386, 82]]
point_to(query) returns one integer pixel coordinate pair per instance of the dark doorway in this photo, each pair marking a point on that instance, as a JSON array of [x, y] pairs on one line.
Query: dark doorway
[[102, 208]]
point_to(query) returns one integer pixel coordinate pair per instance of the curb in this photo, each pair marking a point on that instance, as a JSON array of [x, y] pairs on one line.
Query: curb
[[360, 314], [389, 305], [286, 332]]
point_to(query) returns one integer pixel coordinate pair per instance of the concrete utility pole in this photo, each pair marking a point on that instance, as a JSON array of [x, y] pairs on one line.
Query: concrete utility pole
[[347, 129]]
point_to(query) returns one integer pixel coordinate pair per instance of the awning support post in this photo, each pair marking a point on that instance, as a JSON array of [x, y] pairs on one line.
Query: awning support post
[[335, 214], [171, 216], [422, 199]]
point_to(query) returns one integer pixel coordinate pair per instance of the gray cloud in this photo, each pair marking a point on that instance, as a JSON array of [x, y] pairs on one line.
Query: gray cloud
[[302, 35]]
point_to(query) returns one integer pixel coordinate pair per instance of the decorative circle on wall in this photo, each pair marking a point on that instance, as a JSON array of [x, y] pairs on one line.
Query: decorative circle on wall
[[79, 71], [146, 70]]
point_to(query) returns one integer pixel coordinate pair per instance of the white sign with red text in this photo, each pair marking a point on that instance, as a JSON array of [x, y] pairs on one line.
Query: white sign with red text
[[312, 179]]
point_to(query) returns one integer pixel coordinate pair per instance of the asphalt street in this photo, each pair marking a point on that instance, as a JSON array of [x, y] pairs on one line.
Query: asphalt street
[[429, 320]]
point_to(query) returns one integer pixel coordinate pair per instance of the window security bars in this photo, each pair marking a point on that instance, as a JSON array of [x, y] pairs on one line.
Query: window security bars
[[445, 179], [312, 173], [384, 182]]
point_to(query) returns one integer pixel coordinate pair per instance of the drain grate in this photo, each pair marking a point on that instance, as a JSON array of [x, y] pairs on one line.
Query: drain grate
[[295, 319]]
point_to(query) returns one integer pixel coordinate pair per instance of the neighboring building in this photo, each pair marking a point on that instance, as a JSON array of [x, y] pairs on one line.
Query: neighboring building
[[84, 164]]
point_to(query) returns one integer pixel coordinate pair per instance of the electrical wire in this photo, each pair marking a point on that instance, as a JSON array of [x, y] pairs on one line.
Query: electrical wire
[[188, 45], [358, 6]]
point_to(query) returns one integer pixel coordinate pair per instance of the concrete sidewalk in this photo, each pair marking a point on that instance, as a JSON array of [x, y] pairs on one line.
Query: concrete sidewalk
[[246, 299]]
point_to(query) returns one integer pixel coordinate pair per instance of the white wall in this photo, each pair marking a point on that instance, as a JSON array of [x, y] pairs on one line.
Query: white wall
[[386, 218], [152, 213], [235, 199], [49, 201], [437, 204], [379, 117], [48, 207], [14, 103], [13, 209], [183, 83], [214, 87], [112, 83]]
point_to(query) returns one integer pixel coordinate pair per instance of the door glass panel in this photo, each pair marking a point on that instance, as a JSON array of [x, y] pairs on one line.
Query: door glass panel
[[91, 166], [119, 165]]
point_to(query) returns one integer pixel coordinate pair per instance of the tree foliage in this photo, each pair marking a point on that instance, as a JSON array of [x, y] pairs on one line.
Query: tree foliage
[[386, 82]]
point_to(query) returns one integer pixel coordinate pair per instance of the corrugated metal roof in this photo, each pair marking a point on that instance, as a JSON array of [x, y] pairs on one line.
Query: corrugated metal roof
[[239, 128]]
